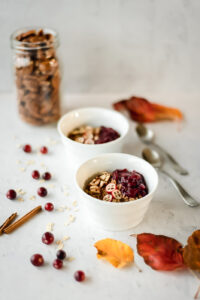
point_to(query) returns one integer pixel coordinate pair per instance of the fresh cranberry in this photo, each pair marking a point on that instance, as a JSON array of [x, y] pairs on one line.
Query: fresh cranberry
[[35, 174], [79, 275], [42, 192], [11, 194], [44, 150], [37, 260], [110, 188], [57, 264], [61, 254], [27, 148], [47, 238], [49, 206], [46, 176]]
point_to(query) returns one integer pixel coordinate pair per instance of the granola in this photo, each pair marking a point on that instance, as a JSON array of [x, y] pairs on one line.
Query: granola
[[117, 186], [93, 135]]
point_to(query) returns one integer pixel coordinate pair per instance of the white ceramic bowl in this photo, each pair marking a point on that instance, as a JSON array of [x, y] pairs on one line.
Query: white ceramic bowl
[[111, 215], [94, 116]]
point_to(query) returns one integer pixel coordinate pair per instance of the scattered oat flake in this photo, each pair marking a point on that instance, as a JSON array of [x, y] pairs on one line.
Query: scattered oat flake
[[22, 169], [60, 244], [30, 162], [74, 203], [67, 223], [71, 219], [20, 192], [51, 185], [20, 199], [41, 180], [65, 238], [65, 187], [43, 165], [50, 226], [71, 258], [54, 142], [76, 210], [19, 145], [61, 209], [32, 198], [51, 141]]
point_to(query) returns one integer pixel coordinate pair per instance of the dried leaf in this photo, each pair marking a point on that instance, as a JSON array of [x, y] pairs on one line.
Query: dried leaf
[[142, 110], [160, 252], [191, 252], [115, 252]]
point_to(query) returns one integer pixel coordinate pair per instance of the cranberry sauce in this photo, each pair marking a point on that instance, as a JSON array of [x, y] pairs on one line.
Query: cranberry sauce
[[133, 184], [107, 135]]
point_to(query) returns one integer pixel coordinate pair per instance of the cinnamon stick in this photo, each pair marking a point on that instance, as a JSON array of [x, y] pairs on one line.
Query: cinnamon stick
[[24, 219], [7, 222]]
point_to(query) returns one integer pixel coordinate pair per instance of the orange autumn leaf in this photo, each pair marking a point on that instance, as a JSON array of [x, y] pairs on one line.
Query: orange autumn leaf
[[115, 252], [142, 110], [191, 252]]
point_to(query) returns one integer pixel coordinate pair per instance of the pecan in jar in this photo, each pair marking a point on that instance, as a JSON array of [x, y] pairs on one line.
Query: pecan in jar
[[37, 75]]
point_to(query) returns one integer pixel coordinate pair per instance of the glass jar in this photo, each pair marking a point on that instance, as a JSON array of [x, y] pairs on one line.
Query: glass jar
[[37, 74]]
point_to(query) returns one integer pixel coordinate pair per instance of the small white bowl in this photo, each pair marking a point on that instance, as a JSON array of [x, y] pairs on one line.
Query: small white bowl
[[115, 216], [94, 116]]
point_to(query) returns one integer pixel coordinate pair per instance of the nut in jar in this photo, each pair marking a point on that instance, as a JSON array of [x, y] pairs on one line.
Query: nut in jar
[[37, 75]]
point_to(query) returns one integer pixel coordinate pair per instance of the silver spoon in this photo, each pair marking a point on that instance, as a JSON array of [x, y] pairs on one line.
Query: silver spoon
[[147, 137], [155, 160]]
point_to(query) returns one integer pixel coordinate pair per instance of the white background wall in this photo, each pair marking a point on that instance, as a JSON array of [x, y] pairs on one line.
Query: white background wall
[[114, 45]]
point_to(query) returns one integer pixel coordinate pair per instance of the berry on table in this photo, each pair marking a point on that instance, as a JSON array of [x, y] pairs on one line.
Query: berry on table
[[42, 191], [27, 148], [49, 206], [47, 238], [35, 174], [46, 176], [44, 150], [57, 263], [11, 194], [79, 276], [61, 254], [37, 260]]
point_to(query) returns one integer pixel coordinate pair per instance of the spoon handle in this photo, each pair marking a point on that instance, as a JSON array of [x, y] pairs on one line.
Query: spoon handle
[[184, 194], [176, 166]]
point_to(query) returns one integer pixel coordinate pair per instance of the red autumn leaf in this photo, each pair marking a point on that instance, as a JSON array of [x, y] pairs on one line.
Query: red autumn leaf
[[160, 252], [142, 110]]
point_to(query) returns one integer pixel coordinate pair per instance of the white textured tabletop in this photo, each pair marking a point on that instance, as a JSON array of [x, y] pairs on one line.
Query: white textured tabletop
[[167, 213]]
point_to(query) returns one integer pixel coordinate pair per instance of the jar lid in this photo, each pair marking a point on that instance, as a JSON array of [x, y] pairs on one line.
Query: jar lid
[[34, 38]]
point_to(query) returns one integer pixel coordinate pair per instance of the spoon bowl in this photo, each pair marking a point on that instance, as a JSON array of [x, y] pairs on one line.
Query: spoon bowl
[[147, 136], [153, 157], [144, 133]]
